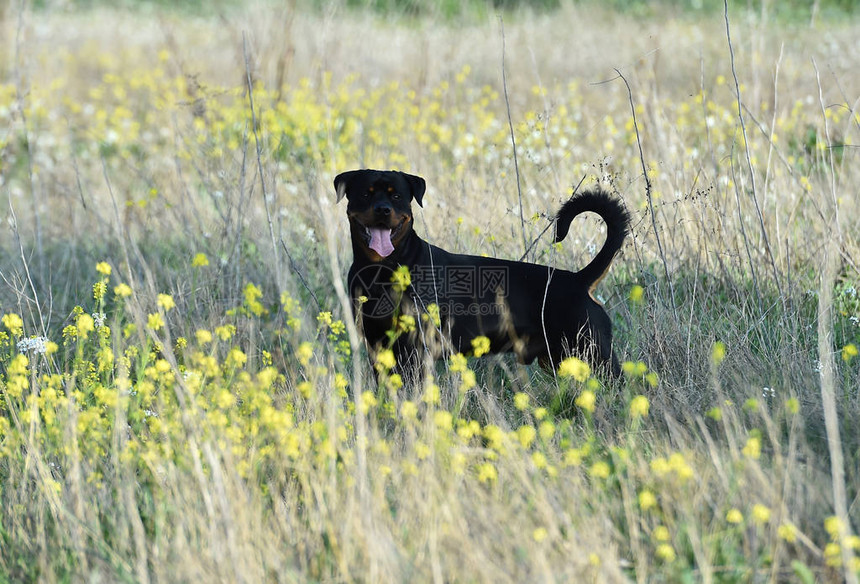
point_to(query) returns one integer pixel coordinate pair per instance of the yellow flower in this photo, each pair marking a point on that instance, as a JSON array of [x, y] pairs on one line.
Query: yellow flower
[[408, 410], [368, 400], [304, 352], [661, 533], [401, 278], [324, 319], [433, 314], [394, 382], [666, 553], [467, 430], [680, 466], [540, 534], [586, 401], [752, 449], [203, 336], [787, 532], [225, 399], [85, 325], [576, 368], [487, 472], [18, 365], [647, 500], [636, 293], [122, 290], [480, 346], [495, 436], [154, 321], [761, 513], [849, 351], [573, 457], [833, 554], [467, 380], [457, 363], [432, 393], [521, 401], [200, 261], [165, 301], [639, 407], [526, 435], [635, 369], [546, 430], [252, 296], [834, 527], [99, 290], [236, 358], [718, 353], [734, 516], [306, 389], [405, 323], [103, 268], [13, 323], [225, 332], [340, 384], [385, 360], [444, 420], [600, 470]]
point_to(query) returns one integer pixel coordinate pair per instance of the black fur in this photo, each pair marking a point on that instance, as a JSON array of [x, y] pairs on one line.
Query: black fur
[[533, 310]]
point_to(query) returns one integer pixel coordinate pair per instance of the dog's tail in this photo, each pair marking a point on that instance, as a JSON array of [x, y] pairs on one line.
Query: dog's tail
[[617, 222]]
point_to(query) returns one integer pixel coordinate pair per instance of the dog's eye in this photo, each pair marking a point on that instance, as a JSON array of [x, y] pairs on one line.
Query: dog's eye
[[395, 196]]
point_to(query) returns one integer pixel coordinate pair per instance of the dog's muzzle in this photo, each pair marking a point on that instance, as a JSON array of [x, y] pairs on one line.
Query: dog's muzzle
[[381, 238]]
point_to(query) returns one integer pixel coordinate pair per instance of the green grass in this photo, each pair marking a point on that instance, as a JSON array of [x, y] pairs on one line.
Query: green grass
[[222, 421]]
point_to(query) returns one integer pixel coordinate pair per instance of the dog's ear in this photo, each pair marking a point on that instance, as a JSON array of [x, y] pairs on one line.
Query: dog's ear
[[341, 180], [417, 185]]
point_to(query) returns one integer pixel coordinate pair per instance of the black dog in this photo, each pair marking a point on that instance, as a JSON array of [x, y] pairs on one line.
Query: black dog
[[534, 310]]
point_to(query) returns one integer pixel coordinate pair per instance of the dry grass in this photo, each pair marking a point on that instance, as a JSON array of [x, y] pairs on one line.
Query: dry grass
[[240, 436]]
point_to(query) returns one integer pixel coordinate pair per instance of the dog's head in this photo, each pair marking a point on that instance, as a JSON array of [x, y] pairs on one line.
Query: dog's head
[[379, 208]]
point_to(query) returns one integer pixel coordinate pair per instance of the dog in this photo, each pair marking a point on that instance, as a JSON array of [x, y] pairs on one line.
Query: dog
[[535, 311]]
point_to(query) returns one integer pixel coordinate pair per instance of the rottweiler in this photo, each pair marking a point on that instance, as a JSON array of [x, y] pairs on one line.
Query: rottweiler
[[538, 312]]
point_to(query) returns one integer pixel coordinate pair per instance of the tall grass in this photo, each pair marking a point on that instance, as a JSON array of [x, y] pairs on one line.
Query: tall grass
[[184, 396]]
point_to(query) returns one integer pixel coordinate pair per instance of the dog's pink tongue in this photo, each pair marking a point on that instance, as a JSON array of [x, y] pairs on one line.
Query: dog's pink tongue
[[380, 241]]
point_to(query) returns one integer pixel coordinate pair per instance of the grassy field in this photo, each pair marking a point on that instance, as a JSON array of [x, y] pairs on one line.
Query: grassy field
[[185, 398]]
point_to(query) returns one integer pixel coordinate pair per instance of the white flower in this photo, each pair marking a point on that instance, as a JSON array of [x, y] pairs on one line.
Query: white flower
[[99, 319], [35, 344]]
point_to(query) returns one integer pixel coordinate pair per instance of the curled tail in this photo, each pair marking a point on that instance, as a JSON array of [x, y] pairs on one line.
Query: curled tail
[[617, 222]]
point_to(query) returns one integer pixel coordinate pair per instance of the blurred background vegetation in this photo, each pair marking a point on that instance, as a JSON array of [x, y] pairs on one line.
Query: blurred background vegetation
[[789, 10]]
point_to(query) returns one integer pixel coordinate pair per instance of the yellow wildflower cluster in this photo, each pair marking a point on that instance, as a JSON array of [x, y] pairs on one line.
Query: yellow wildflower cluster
[[142, 398], [839, 541]]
